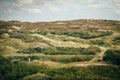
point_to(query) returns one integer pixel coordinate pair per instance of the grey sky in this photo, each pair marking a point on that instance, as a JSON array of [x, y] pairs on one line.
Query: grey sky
[[51, 10]]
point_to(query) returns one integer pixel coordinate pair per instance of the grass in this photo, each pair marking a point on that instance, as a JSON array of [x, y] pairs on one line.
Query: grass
[[7, 50], [92, 50], [27, 71], [54, 58], [54, 51], [57, 43], [82, 34]]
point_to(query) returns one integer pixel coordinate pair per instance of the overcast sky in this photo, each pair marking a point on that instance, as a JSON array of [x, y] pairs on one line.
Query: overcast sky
[[52, 10]]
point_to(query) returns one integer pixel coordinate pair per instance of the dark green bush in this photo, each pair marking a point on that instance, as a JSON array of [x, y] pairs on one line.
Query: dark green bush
[[112, 56], [43, 33], [2, 31], [31, 50], [92, 50], [116, 40], [4, 24], [98, 42]]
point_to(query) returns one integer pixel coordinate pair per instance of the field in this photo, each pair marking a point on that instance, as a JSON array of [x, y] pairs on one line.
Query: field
[[60, 50]]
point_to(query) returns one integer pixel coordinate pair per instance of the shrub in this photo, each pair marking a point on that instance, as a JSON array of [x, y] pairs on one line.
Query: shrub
[[98, 42], [92, 50], [17, 35], [2, 31], [112, 56], [4, 24], [43, 33], [116, 40], [31, 50]]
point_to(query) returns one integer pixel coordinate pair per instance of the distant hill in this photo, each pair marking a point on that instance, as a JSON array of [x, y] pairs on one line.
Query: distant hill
[[63, 25]]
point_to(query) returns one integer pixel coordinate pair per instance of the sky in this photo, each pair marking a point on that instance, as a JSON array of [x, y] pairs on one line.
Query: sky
[[54, 10]]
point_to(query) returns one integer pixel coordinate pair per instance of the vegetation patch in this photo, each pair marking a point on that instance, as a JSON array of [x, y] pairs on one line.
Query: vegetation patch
[[116, 40], [98, 42], [65, 50], [21, 70], [82, 34], [92, 50], [55, 58], [112, 56]]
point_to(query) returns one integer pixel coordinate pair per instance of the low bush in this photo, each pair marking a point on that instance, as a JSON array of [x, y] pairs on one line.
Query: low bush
[[98, 42], [2, 31], [17, 35], [116, 40], [4, 24], [42, 33], [31, 50], [92, 50], [112, 56]]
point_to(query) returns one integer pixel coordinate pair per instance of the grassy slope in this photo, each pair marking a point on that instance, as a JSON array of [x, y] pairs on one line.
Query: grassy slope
[[20, 36]]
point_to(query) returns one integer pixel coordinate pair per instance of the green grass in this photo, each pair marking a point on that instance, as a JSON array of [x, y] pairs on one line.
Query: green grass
[[81, 34], [85, 73], [21, 70], [15, 71], [55, 58], [92, 50], [67, 51]]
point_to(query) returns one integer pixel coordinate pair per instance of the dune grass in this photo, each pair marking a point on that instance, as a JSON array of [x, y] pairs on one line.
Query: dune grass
[[26, 71]]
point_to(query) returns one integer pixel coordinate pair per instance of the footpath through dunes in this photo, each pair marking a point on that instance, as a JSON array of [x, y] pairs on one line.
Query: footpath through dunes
[[101, 55], [58, 43], [88, 63]]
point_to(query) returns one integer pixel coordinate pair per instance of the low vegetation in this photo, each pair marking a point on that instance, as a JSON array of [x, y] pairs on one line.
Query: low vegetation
[[81, 34], [61, 50], [22, 71], [116, 40], [92, 50], [112, 56]]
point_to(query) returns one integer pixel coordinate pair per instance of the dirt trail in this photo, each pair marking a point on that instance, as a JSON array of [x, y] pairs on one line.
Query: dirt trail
[[101, 55], [85, 64]]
